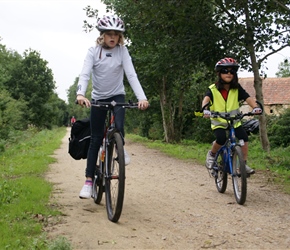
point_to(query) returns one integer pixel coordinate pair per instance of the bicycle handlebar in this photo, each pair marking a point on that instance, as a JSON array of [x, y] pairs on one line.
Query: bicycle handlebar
[[227, 116], [112, 104]]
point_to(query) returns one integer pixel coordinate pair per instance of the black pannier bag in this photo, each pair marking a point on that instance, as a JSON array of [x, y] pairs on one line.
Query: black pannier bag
[[79, 140], [251, 126]]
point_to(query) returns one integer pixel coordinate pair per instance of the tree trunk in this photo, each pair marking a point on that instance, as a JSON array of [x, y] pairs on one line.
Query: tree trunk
[[168, 110], [259, 97], [249, 38], [262, 118]]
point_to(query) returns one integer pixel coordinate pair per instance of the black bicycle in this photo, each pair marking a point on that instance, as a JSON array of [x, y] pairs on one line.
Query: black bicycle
[[229, 158], [110, 172]]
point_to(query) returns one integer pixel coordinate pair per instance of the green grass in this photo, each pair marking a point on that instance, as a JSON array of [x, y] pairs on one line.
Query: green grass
[[24, 192], [275, 164]]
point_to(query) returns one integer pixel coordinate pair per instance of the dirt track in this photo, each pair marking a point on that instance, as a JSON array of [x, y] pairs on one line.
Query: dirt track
[[169, 204]]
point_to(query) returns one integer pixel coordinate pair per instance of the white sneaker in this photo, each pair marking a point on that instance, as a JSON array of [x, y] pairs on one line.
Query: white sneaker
[[127, 158], [86, 192], [209, 160], [249, 170]]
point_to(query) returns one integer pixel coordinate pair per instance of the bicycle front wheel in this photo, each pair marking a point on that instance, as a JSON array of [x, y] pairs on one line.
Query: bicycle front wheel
[[221, 176], [115, 179], [239, 175]]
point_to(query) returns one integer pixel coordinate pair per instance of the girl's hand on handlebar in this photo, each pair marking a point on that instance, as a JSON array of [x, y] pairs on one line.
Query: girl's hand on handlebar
[[206, 113], [143, 104], [83, 101], [257, 110]]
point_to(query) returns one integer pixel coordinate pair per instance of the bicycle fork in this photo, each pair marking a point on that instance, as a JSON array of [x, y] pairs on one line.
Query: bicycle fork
[[222, 163]]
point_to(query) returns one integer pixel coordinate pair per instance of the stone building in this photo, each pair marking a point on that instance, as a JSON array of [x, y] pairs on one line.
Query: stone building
[[276, 93]]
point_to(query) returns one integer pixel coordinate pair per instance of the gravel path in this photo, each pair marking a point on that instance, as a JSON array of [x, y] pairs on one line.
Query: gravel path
[[169, 204]]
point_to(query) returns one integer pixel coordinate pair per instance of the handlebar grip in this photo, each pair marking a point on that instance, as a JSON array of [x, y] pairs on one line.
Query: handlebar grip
[[198, 113], [261, 106]]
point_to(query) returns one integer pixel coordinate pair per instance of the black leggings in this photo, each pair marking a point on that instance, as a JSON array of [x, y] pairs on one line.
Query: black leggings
[[98, 117], [221, 136]]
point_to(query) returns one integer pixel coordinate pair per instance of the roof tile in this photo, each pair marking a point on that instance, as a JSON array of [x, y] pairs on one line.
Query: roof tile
[[275, 90]]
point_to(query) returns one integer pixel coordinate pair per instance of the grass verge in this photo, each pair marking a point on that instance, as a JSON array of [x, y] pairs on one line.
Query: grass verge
[[24, 192]]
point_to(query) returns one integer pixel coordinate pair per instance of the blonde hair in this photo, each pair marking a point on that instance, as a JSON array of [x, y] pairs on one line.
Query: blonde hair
[[100, 39]]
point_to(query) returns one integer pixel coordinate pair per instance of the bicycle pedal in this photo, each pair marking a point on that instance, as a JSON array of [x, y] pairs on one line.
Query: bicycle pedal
[[212, 172]]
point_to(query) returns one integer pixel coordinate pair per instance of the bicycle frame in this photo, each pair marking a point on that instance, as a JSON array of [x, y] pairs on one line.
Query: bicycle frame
[[109, 131], [227, 150]]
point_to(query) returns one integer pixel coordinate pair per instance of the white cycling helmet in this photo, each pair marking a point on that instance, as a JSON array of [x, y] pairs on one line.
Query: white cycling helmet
[[111, 22]]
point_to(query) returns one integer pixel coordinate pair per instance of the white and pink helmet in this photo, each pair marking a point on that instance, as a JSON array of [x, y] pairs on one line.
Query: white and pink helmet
[[111, 22]]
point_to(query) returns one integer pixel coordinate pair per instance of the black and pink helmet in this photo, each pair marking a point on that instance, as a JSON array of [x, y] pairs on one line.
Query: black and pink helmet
[[111, 22], [227, 63]]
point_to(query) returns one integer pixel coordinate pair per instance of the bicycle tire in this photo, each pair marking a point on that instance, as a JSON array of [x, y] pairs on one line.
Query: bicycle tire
[[115, 181], [98, 185], [221, 176], [239, 175]]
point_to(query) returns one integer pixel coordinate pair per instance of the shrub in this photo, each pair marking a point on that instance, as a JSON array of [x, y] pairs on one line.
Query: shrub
[[278, 130]]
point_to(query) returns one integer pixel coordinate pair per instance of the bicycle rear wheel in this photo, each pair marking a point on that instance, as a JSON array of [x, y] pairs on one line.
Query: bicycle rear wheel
[[239, 175], [115, 181], [98, 185], [221, 176]]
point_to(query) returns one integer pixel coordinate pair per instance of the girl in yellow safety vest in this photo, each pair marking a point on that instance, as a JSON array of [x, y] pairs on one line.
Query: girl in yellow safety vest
[[225, 96]]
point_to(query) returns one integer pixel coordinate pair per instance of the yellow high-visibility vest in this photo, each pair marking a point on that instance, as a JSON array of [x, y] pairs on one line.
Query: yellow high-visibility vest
[[231, 105]]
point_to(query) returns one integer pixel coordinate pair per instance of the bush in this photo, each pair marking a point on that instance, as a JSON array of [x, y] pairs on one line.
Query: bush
[[278, 130], [200, 130]]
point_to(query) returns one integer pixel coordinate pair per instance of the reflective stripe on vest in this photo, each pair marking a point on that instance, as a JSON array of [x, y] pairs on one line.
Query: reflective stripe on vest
[[220, 105]]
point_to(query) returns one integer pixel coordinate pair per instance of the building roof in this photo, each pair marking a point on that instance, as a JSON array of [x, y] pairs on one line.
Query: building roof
[[275, 90]]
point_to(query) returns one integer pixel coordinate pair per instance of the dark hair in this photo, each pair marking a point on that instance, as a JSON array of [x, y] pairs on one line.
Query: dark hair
[[234, 84]]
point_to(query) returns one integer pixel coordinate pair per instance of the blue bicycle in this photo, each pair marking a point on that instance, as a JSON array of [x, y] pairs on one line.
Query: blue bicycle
[[229, 159]]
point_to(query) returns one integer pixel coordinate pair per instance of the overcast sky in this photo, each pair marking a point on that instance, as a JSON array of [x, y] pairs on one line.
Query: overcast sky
[[54, 29]]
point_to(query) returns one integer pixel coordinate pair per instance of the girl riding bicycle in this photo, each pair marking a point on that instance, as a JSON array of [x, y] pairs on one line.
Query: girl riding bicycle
[[225, 96], [107, 62]]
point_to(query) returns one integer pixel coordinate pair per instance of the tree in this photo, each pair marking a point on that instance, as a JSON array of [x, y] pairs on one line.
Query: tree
[[255, 30], [9, 60], [171, 39], [168, 40], [76, 110], [284, 68], [11, 114], [33, 82]]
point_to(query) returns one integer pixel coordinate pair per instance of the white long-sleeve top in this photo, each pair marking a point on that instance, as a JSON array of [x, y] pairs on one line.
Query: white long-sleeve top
[[107, 67]]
